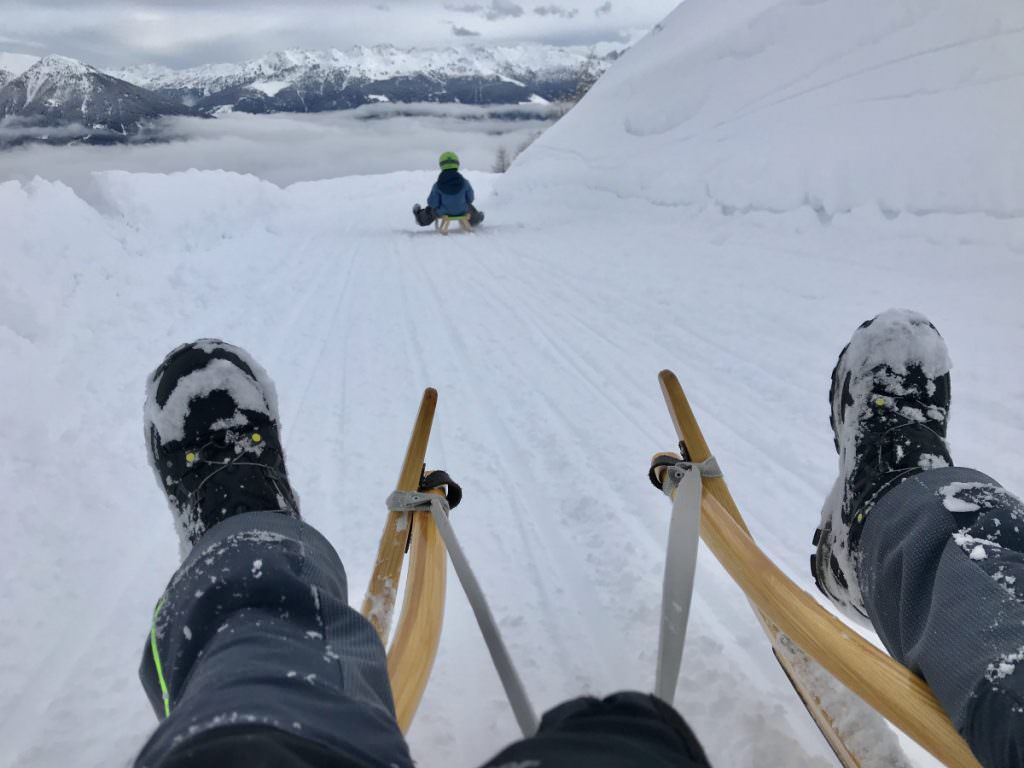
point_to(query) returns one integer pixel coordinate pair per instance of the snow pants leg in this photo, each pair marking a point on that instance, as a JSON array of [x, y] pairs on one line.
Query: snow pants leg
[[255, 657], [627, 730], [942, 573]]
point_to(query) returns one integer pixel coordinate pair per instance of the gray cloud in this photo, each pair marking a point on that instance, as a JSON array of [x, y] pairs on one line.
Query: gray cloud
[[463, 31], [183, 33], [289, 148], [556, 10], [498, 9], [604, 8], [504, 9], [13, 128]]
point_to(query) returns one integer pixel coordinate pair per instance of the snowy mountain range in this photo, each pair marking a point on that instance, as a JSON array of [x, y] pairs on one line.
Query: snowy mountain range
[[318, 81], [82, 103], [61, 93]]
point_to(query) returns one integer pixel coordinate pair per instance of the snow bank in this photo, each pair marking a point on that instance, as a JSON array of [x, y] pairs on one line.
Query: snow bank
[[906, 106]]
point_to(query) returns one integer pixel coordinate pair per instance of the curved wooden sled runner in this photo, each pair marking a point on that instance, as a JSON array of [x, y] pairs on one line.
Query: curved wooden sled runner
[[418, 634], [799, 627]]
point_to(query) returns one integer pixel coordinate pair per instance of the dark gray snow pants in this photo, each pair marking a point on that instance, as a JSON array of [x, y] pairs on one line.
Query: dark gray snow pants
[[258, 650], [263, 664], [942, 574]]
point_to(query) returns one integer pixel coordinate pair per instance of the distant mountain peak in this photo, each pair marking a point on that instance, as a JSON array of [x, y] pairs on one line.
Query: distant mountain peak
[[63, 65], [58, 91]]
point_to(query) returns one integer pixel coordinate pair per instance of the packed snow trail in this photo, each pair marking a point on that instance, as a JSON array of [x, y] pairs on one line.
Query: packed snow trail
[[544, 338]]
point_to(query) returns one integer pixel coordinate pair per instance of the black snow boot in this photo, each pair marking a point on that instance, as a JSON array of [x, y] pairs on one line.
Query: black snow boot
[[424, 216], [890, 404], [214, 437], [476, 218]]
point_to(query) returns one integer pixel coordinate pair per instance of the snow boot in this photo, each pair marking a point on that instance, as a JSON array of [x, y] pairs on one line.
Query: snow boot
[[214, 437], [476, 218], [890, 403], [424, 216]]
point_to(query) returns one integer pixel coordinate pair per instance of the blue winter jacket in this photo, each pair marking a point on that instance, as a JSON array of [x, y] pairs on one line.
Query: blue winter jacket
[[452, 195]]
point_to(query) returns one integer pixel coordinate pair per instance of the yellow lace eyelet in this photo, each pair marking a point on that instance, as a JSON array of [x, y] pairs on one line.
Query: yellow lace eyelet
[[880, 402], [190, 457], [257, 437]]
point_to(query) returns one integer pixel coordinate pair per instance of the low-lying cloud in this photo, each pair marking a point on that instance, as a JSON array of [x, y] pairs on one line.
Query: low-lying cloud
[[556, 10], [288, 148], [495, 10]]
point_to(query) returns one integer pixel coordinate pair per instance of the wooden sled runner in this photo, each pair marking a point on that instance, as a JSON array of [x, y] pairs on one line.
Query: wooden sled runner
[[442, 223], [418, 633], [803, 633]]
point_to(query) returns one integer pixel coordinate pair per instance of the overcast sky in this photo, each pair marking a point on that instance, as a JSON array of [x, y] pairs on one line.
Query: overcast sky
[[190, 32]]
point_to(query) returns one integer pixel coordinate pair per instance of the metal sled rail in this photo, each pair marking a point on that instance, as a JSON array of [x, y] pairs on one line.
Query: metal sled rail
[[418, 633], [786, 611]]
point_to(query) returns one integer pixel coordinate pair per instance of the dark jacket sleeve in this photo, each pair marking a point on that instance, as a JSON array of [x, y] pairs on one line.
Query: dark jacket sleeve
[[470, 194], [434, 201]]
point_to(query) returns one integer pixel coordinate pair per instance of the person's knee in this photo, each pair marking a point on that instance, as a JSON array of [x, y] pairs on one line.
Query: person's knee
[[623, 730], [257, 746], [994, 722]]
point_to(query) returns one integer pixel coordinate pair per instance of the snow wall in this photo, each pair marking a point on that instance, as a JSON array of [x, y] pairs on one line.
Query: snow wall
[[910, 106]]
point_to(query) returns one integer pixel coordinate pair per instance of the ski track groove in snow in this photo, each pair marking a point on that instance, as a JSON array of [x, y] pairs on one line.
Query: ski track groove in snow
[[677, 333], [332, 328], [518, 509], [610, 570]]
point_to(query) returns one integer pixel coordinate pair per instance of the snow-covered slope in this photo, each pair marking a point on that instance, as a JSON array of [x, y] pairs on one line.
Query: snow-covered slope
[[704, 227], [901, 107], [544, 333], [59, 92]]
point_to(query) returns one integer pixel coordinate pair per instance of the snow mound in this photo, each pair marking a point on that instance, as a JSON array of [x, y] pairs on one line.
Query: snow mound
[[901, 105]]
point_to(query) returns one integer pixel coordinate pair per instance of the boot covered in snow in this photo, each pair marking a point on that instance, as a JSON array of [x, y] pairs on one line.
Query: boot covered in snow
[[890, 403], [214, 437]]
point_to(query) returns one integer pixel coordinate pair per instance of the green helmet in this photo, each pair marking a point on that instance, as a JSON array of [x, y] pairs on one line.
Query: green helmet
[[449, 161]]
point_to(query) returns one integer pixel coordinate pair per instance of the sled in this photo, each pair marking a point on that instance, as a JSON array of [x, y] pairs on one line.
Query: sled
[[417, 635], [442, 223], [802, 633]]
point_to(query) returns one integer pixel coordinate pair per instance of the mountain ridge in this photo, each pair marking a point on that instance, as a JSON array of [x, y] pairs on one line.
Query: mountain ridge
[[84, 103], [57, 92], [298, 80], [378, 62]]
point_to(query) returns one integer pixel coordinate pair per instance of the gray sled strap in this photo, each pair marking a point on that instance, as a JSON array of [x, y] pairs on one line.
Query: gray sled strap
[[680, 567], [409, 501]]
